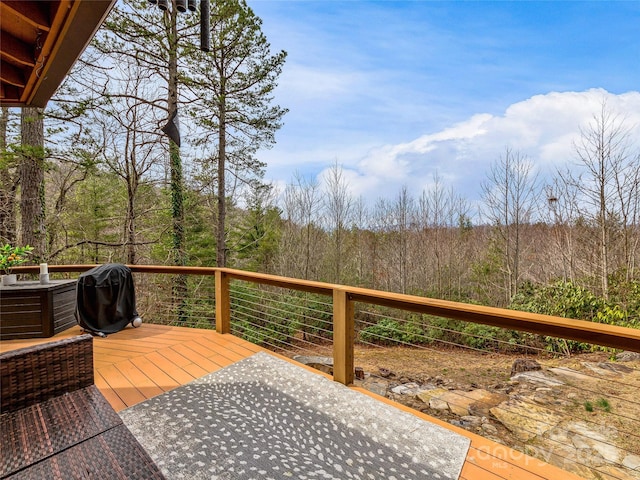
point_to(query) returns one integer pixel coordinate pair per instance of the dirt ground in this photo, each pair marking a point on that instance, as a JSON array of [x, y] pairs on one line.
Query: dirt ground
[[466, 367]]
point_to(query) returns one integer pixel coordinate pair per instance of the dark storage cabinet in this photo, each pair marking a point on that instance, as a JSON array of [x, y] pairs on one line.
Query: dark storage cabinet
[[32, 310]]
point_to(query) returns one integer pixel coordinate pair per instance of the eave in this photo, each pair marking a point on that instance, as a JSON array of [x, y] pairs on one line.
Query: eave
[[39, 43]]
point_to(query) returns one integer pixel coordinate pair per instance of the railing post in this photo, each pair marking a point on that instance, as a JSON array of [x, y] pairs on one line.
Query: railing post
[[223, 303], [343, 337]]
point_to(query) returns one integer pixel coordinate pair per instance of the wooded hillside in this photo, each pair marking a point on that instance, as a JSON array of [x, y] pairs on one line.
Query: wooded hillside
[[110, 192]]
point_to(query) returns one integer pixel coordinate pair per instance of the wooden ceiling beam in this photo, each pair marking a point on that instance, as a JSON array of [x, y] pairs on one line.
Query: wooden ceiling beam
[[11, 75], [40, 41], [34, 13], [16, 51], [9, 93]]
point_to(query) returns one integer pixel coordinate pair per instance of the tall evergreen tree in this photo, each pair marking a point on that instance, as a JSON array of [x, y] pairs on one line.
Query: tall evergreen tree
[[8, 183], [32, 168], [235, 83]]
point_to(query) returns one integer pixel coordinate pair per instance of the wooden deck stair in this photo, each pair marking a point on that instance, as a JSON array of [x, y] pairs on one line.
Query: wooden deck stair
[[136, 364]]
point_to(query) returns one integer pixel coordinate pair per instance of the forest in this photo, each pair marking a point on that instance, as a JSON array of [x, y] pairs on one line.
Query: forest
[[93, 179]]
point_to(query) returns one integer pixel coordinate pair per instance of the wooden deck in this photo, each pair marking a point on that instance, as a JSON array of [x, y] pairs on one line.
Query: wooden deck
[[136, 364]]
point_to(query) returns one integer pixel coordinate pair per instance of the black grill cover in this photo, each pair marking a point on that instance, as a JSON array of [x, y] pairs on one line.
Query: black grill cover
[[106, 298]]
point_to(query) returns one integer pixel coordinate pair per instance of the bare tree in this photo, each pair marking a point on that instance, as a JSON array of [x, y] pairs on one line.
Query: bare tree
[[442, 220], [608, 183], [301, 243], [562, 215], [363, 256], [338, 209], [510, 195], [131, 150], [402, 212]]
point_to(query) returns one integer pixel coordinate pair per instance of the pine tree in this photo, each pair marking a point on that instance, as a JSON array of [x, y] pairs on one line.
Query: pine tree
[[234, 84]]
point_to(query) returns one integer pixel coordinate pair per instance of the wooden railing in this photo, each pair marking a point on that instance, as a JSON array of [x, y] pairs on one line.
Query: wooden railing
[[344, 298]]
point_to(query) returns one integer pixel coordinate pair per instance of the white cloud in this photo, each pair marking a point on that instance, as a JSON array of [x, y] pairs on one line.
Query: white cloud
[[542, 127]]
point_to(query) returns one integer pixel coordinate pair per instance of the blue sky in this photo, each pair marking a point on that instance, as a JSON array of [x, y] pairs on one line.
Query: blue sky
[[397, 91]]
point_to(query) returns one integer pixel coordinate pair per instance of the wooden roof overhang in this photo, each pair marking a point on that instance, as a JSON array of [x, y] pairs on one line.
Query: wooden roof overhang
[[40, 40]]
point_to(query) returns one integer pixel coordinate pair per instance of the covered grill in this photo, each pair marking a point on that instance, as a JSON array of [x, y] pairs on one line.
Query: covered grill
[[106, 299]]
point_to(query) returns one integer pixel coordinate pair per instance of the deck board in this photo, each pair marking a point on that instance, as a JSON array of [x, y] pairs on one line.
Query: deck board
[[137, 364]]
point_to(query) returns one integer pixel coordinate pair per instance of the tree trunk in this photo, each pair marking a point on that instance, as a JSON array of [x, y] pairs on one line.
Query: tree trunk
[[177, 182], [221, 248], [32, 181], [130, 233], [8, 185]]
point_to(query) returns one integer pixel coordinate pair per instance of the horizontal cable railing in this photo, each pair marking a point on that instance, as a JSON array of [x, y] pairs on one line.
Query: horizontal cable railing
[[580, 412], [584, 421]]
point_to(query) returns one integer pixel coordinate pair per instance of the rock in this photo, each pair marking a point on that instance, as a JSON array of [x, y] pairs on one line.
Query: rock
[[610, 471], [486, 401], [628, 357], [538, 377], [437, 404], [570, 373], [386, 373], [541, 399], [407, 389], [524, 419], [524, 365], [471, 421], [427, 395], [593, 440], [324, 364], [489, 429], [375, 386], [606, 368], [544, 389], [475, 402], [632, 462]]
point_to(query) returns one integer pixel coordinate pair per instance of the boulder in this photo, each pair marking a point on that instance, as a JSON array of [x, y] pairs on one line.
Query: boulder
[[427, 395], [475, 402], [632, 462], [324, 364], [628, 357], [379, 387], [408, 389], [489, 429], [524, 419], [437, 404], [538, 377], [524, 365], [607, 368], [570, 373]]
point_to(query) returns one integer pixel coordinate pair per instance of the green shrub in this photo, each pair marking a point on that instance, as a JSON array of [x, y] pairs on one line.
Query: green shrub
[[392, 332], [604, 404], [566, 299]]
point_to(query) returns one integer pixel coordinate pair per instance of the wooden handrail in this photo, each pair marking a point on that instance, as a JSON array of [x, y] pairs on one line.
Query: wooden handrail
[[345, 296], [581, 330]]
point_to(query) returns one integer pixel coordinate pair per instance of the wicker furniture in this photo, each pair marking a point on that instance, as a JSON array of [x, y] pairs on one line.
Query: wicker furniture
[[55, 423]]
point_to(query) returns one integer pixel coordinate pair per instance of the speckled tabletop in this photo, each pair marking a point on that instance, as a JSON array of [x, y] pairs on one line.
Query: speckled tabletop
[[265, 418]]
